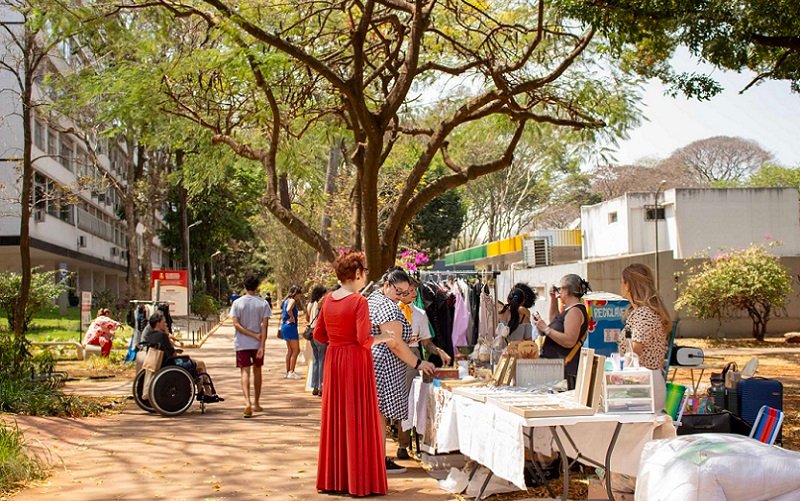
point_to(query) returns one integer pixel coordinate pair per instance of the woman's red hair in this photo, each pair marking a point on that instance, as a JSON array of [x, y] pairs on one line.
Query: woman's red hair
[[348, 263]]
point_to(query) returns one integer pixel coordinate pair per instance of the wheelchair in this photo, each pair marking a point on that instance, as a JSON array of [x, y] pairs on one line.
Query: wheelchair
[[172, 389]]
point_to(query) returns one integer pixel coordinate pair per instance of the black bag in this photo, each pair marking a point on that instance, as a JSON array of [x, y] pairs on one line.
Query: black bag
[[308, 334], [719, 422]]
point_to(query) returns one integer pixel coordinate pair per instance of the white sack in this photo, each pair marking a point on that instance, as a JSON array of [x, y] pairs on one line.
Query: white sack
[[716, 466]]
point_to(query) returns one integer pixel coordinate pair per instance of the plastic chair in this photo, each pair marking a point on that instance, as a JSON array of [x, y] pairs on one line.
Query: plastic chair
[[767, 425], [670, 345]]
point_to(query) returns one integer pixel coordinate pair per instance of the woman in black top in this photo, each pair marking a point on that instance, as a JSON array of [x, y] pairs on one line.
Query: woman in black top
[[566, 332]]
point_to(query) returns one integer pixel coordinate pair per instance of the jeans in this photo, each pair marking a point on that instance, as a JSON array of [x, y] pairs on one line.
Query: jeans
[[319, 361]]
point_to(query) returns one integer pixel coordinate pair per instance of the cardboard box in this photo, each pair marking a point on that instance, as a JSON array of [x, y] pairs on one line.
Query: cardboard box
[[597, 491]]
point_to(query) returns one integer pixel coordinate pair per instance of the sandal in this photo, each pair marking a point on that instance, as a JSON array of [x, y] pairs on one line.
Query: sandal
[[258, 408], [248, 412]]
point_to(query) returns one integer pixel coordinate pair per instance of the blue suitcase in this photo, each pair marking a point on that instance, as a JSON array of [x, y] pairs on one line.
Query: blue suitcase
[[755, 392]]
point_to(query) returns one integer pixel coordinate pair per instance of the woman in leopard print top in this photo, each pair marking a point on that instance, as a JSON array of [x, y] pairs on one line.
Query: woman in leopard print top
[[649, 322]]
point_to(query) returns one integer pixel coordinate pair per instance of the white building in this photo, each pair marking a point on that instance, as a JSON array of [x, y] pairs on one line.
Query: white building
[[74, 224], [692, 223]]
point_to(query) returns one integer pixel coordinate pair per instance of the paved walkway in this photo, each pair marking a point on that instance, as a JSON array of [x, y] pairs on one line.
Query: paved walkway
[[218, 455]]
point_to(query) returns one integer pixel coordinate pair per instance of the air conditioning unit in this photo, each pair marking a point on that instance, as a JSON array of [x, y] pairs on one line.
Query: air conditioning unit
[[39, 215], [115, 251], [537, 251], [81, 241]]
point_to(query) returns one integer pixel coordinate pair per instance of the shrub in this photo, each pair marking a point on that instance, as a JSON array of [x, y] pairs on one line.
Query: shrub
[[752, 280], [44, 290], [17, 466], [204, 305], [103, 299]]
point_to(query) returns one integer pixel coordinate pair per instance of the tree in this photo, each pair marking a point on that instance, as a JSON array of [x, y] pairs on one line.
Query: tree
[[44, 289], [775, 176], [759, 35], [27, 45], [263, 78], [752, 280], [721, 158], [438, 223]]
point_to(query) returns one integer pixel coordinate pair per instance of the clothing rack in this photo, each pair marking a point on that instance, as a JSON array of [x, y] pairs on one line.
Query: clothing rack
[[426, 274]]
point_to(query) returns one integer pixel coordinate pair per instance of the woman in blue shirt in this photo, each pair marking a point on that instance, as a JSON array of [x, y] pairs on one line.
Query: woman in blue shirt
[[289, 330]]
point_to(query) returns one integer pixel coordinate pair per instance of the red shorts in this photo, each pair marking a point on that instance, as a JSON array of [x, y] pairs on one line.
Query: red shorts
[[246, 358]]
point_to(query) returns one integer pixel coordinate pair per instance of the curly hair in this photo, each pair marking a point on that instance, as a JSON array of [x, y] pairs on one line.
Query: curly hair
[[576, 286], [348, 263]]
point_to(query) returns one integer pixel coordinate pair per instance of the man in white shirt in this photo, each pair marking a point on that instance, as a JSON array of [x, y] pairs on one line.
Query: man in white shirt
[[250, 314], [420, 333]]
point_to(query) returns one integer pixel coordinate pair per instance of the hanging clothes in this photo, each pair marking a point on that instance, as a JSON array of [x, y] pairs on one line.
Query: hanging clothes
[[486, 316], [460, 319], [439, 306]]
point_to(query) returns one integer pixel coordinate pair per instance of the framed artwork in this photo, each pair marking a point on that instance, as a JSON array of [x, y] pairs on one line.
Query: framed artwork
[[583, 381]]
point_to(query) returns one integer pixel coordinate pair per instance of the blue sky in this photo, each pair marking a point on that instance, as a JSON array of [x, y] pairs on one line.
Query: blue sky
[[768, 113]]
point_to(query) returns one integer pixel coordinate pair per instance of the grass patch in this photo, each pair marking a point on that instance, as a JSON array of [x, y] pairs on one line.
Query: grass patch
[[20, 395], [17, 466]]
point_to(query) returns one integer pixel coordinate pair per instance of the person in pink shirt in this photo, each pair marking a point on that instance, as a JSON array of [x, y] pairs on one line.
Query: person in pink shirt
[[101, 331]]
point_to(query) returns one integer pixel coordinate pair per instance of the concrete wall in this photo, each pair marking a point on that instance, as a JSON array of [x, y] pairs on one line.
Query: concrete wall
[[602, 237], [735, 218]]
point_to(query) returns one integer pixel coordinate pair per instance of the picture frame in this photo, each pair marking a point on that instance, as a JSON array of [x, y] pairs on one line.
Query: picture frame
[[583, 380]]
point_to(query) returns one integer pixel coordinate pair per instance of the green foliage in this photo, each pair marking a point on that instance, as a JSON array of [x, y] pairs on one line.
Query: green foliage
[[760, 35], [438, 223], [203, 305], [17, 465], [103, 299], [752, 280], [44, 290], [775, 176], [21, 395], [321, 273]]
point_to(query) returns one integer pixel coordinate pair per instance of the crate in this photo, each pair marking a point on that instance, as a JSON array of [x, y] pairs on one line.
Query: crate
[[531, 372]]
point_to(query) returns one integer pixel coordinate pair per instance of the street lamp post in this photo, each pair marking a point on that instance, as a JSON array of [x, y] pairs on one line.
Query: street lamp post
[[219, 293], [189, 275], [655, 219]]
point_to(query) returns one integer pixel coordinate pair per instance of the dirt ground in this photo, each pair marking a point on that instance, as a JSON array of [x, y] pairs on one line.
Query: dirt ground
[[220, 455]]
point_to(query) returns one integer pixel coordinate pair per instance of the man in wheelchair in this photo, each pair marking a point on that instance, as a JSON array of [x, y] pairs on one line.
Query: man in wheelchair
[[157, 337]]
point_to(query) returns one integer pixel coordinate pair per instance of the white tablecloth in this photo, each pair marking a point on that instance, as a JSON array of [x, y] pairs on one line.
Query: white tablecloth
[[494, 437]]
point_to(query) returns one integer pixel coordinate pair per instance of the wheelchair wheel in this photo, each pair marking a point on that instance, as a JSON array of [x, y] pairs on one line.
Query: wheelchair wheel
[[138, 387], [172, 391]]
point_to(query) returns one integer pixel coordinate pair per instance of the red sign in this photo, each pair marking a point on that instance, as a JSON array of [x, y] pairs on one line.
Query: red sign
[[170, 277]]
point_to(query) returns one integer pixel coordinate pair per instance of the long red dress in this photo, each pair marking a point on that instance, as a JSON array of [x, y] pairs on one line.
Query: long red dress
[[351, 456]]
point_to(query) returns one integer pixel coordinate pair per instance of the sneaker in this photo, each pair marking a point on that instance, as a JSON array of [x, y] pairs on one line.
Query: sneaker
[[210, 399], [294, 375], [315, 392], [286, 376], [393, 468], [402, 453]]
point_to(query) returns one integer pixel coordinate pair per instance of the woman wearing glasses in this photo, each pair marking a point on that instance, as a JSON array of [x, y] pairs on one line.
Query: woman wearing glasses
[[391, 360], [566, 332]]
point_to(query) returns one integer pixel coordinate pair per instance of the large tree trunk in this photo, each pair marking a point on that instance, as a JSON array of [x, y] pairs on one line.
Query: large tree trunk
[[183, 207], [133, 170]]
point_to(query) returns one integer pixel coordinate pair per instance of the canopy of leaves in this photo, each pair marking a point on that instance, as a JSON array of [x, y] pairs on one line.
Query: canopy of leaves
[[438, 223], [775, 176], [760, 35], [750, 280]]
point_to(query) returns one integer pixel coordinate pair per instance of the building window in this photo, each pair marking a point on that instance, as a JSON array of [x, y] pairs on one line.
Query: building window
[[39, 133], [52, 144], [67, 154], [612, 217], [652, 213]]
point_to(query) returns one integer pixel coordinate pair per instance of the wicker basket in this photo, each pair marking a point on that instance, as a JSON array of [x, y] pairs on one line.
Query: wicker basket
[[531, 372]]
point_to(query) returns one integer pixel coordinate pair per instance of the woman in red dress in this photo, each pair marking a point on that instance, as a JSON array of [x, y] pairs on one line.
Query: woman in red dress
[[351, 456]]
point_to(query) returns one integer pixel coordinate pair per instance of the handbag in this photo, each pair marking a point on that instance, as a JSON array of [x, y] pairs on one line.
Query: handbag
[[308, 334], [719, 422]]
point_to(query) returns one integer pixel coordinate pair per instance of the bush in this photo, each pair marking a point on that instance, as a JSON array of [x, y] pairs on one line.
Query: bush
[[752, 280], [17, 466], [21, 395], [44, 290], [204, 305], [103, 299]]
